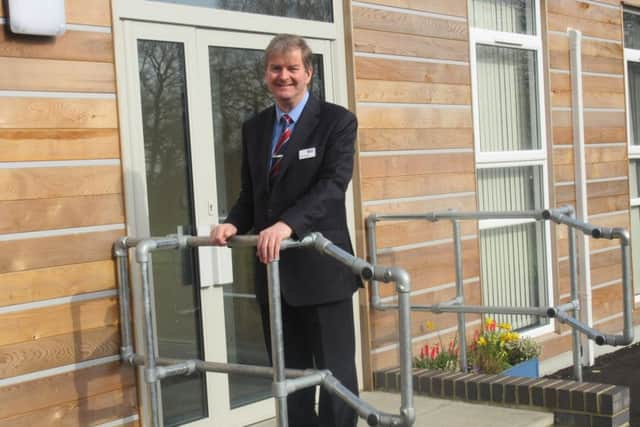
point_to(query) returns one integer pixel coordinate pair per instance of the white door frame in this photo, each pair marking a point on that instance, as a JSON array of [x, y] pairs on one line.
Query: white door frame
[[196, 42]]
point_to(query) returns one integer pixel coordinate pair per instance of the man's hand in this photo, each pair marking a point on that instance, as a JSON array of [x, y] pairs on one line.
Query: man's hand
[[221, 233], [268, 248]]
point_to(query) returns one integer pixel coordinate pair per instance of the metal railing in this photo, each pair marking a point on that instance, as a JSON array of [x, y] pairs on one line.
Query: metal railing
[[564, 215], [285, 381]]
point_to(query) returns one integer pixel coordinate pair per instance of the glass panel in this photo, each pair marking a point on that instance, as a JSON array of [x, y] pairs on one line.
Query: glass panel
[[315, 10], [512, 16], [513, 269], [635, 247], [634, 178], [237, 92], [632, 30], [633, 74], [513, 262], [510, 189], [508, 106], [170, 200]]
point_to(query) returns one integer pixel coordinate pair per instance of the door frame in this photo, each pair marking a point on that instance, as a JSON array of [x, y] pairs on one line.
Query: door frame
[[126, 33]]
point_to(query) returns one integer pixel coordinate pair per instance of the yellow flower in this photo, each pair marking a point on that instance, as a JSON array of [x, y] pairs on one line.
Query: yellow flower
[[489, 321], [505, 326], [482, 341], [429, 325]]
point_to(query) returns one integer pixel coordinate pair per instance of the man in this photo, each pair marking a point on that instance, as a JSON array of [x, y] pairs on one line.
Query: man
[[297, 163]]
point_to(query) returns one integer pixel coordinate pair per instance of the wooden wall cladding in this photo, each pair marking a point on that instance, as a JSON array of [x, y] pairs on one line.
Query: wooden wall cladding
[[60, 155], [62, 389], [413, 94], [605, 135], [58, 144]]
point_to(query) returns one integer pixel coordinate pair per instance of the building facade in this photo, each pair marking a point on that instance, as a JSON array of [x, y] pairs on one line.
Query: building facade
[[128, 123]]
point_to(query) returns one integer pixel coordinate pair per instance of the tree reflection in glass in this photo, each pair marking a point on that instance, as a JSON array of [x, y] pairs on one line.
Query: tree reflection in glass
[[315, 10], [170, 202]]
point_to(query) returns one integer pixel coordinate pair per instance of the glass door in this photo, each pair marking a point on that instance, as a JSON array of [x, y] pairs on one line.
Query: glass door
[[188, 91], [233, 64]]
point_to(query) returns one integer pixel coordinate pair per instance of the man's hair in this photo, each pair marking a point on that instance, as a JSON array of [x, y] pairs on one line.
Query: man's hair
[[283, 43]]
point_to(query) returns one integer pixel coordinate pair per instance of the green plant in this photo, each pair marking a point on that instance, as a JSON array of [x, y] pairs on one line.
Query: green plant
[[497, 348], [437, 356]]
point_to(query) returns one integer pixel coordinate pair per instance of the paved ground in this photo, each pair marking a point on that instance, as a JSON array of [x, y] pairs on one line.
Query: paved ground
[[621, 367], [432, 412]]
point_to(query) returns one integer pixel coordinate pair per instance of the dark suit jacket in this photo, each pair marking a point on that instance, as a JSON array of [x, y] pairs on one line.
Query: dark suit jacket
[[308, 194]]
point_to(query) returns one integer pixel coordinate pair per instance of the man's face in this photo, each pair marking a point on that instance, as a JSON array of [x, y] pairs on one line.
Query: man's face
[[286, 78]]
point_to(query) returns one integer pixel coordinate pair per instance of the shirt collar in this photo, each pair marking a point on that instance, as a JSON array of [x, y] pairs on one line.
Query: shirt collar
[[295, 112]]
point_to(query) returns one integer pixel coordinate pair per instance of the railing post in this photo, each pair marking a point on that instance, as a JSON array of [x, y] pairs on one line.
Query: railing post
[[150, 341], [277, 344], [462, 329], [573, 270]]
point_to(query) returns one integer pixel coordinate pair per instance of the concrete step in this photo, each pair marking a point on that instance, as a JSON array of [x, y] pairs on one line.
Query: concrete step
[[431, 412]]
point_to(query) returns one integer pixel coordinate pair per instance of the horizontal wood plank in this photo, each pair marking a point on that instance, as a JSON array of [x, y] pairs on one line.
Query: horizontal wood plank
[[29, 326], [602, 30], [55, 75], [47, 113], [408, 45], [34, 253], [411, 92], [592, 135], [598, 91], [36, 183], [411, 71], [433, 265], [72, 45], [407, 23], [460, 203], [445, 7], [65, 212], [89, 12], [592, 119], [564, 173], [55, 282], [63, 388], [20, 145], [413, 117], [593, 154], [583, 10], [399, 233], [95, 410], [421, 185], [58, 350], [419, 164], [608, 188], [414, 139]]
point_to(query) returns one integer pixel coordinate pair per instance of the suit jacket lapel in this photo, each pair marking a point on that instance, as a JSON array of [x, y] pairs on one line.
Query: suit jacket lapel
[[264, 133], [306, 124]]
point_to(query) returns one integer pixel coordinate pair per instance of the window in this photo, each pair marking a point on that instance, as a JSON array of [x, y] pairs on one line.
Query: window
[[632, 62], [316, 10], [511, 157]]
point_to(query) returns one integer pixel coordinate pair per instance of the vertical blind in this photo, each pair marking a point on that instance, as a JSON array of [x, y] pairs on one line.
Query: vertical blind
[[512, 16], [507, 99], [513, 264]]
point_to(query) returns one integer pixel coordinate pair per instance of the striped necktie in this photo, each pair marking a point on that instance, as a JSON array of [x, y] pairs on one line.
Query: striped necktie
[[281, 145]]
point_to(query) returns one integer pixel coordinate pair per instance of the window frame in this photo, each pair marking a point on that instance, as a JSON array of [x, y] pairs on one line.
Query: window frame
[[631, 55], [522, 158]]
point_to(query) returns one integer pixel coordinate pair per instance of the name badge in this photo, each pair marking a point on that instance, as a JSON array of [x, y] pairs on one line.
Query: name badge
[[307, 153]]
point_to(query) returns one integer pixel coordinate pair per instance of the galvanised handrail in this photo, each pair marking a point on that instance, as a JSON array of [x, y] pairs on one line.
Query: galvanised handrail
[[564, 215], [285, 381]]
